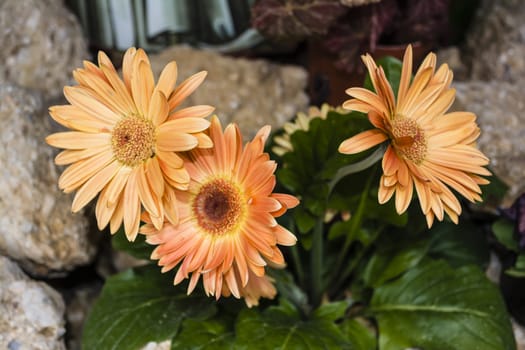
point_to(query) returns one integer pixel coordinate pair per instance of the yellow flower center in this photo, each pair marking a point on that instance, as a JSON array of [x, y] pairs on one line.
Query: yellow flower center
[[218, 206], [409, 140], [133, 140]]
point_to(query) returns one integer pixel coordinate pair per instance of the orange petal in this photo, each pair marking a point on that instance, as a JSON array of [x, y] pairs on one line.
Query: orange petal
[[168, 140], [186, 88], [93, 186], [363, 141], [199, 111], [167, 79]]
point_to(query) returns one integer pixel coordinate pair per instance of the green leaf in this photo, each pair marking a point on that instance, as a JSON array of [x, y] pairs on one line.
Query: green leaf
[[392, 67], [138, 306], [304, 221], [503, 229], [435, 307], [213, 334], [391, 260], [282, 327], [459, 245], [138, 249], [519, 267], [360, 336], [288, 289]]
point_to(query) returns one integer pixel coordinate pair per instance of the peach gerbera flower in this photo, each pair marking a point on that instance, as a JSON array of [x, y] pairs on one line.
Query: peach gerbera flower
[[227, 231], [429, 149], [126, 138]]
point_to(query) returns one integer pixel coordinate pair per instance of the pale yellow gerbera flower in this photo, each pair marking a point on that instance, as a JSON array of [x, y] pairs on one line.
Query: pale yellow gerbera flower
[[301, 122], [125, 139], [429, 149], [227, 231]]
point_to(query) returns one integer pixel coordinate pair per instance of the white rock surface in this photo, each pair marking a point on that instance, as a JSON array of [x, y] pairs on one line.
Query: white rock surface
[[500, 108], [252, 93], [31, 313], [42, 43], [495, 45], [36, 225]]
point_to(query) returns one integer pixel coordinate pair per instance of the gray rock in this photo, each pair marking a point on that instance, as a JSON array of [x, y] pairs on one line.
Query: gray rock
[[500, 108], [495, 45], [36, 225], [251, 93], [78, 305], [31, 313], [42, 43]]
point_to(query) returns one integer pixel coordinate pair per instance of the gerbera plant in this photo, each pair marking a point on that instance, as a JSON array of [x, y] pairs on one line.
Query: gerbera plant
[[126, 138], [301, 248]]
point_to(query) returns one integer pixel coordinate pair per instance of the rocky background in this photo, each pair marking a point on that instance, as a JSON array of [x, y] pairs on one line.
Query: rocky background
[[52, 262]]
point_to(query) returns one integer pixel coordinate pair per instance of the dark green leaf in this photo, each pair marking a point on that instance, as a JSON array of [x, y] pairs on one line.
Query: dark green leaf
[[435, 307], [360, 336], [138, 249], [141, 305], [303, 220], [213, 334], [391, 260], [288, 289], [459, 245], [282, 327], [503, 229], [519, 267]]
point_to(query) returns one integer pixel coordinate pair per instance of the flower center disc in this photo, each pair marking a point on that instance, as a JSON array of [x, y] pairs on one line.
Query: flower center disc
[[218, 206], [409, 140], [133, 140]]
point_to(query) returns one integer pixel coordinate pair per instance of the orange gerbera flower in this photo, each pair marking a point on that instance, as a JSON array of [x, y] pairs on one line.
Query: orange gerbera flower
[[125, 139], [227, 231], [429, 149]]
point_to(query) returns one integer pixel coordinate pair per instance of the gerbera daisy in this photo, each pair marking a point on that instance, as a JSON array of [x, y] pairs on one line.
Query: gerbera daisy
[[126, 138], [429, 149], [227, 231]]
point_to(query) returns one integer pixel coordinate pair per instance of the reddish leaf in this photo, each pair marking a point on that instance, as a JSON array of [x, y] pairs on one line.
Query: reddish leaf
[[295, 19]]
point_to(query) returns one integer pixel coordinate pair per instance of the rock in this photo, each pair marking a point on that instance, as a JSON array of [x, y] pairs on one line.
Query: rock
[[500, 108], [36, 226], [31, 313], [519, 334], [452, 57], [79, 303], [165, 345], [42, 43], [495, 44], [251, 93]]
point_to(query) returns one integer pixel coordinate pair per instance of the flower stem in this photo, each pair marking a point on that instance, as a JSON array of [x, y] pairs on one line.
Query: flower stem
[[355, 224], [357, 259], [316, 278], [297, 265]]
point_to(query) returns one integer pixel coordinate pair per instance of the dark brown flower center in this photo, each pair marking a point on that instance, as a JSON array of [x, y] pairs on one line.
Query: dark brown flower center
[[133, 140], [218, 206], [409, 140]]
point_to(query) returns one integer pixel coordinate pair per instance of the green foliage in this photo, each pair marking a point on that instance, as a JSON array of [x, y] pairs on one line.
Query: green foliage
[[213, 334], [391, 260], [434, 306], [503, 229], [138, 306], [459, 245], [360, 336], [138, 249], [282, 327]]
